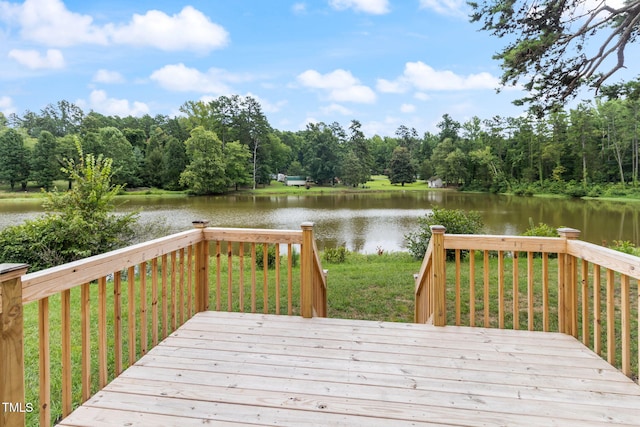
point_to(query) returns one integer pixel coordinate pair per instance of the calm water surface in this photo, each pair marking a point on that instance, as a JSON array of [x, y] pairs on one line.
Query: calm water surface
[[365, 222]]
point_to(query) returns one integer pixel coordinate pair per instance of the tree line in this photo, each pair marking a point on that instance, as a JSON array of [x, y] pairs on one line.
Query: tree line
[[228, 143]]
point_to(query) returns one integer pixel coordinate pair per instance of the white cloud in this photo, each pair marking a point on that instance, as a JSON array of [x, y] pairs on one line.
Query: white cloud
[[34, 60], [299, 8], [408, 108], [101, 103], [109, 77], [336, 108], [341, 86], [6, 105], [50, 23], [180, 78], [387, 86], [420, 76], [457, 8], [376, 7], [188, 30], [267, 107], [422, 96]]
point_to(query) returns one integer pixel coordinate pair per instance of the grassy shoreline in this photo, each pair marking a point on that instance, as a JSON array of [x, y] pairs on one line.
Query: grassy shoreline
[[378, 184]]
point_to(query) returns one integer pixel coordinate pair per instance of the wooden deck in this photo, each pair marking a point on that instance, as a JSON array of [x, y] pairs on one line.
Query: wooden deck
[[232, 368]]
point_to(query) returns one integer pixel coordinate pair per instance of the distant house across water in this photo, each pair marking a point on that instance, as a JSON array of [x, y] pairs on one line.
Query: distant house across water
[[295, 180], [435, 182]]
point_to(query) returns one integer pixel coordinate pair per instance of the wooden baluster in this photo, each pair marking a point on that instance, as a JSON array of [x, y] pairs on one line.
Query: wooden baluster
[[516, 291], [102, 332], [501, 290], [143, 308], [586, 333], [611, 320], [229, 276], [472, 288], [253, 277], [277, 278], [181, 289], [85, 320], [597, 318], [44, 362], [218, 276], [174, 291], [545, 291], [163, 295], [241, 276], [625, 324], [11, 343], [486, 300], [290, 279], [265, 278], [530, 298], [458, 303], [131, 316], [117, 321], [154, 302], [65, 319], [190, 281]]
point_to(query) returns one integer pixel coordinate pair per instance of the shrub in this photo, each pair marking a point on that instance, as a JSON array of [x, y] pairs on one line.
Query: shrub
[[540, 230], [78, 223], [456, 221], [335, 255], [625, 246], [271, 257]]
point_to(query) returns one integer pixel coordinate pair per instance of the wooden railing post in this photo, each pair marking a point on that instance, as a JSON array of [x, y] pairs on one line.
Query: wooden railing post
[[568, 287], [439, 285], [202, 269], [12, 400], [306, 270]]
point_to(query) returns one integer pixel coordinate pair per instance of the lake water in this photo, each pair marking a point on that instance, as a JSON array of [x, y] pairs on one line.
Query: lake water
[[366, 222]]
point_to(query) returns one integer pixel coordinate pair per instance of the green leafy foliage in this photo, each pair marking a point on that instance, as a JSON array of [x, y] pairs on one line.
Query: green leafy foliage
[[335, 255], [540, 230], [456, 221], [271, 257], [626, 246], [78, 223]]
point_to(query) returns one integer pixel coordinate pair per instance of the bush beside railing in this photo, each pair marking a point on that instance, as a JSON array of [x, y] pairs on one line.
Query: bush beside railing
[[528, 297], [144, 292]]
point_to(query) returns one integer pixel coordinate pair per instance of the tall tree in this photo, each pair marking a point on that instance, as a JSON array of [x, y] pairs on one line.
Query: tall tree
[[550, 48], [205, 173], [14, 158], [44, 165], [322, 152], [236, 161], [401, 169], [358, 149]]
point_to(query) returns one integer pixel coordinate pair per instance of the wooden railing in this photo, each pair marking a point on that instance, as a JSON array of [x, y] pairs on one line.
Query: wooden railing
[[554, 284], [109, 310]]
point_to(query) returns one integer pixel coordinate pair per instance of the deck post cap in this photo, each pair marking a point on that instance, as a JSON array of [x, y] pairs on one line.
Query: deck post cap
[[9, 271], [200, 223], [569, 233], [438, 229]]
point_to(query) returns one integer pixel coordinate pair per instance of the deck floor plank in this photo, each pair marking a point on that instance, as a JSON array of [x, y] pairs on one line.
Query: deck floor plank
[[254, 369]]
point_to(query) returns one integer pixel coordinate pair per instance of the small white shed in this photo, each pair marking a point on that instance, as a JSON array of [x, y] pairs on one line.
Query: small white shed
[[295, 180], [435, 182]]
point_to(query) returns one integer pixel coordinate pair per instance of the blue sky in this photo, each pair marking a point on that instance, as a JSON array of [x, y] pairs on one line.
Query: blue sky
[[385, 63]]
